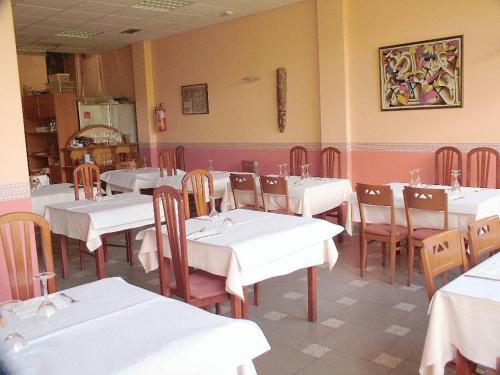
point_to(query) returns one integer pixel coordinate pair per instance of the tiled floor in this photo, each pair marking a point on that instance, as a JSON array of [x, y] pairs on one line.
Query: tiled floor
[[365, 325]]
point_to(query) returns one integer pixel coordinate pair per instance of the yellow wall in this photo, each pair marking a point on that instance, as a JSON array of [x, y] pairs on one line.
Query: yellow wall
[[377, 23], [32, 70], [12, 146], [221, 55]]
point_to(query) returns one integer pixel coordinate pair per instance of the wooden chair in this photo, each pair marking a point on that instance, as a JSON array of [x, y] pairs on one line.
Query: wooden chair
[[484, 238], [125, 164], [331, 167], [197, 288], [87, 175], [244, 182], [446, 159], [434, 200], [441, 253], [298, 157], [466, 367], [167, 161], [17, 235], [392, 234], [179, 158], [483, 158], [198, 180], [272, 185], [250, 166]]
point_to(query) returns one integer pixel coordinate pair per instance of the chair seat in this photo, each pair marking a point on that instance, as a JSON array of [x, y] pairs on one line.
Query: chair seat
[[423, 233], [249, 207], [385, 229], [279, 211], [203, 285]]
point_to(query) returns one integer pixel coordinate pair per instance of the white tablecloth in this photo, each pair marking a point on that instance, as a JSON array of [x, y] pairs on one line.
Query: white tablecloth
[[258, 246], [464, 314], [118, 328], [308, 197], [128, 180], [464, 207], [51, 194], [87, 220]]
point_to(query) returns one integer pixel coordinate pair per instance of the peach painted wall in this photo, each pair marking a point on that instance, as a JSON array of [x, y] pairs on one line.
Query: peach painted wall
[[32, 70], [221, 55], [375, 23], [117, 73]]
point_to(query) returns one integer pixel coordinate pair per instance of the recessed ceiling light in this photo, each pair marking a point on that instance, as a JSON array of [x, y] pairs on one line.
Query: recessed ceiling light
[[225, 13], [161, 5], [37, 47], [75, 33], [130, 31]]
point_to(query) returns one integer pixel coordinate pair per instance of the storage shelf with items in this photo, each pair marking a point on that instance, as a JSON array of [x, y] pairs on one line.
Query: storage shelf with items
[[99, 144], [49, 121]]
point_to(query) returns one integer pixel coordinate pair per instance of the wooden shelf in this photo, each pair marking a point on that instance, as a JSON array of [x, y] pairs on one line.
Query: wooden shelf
[[93, 147], [31, 132], [43, 155]]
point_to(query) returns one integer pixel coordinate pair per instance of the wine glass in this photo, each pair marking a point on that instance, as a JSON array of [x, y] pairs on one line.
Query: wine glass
[[303, 172], [306, 167], [211, 165], [213, 212], [285, 170], [13, 341], [144, 162], [255, 168], [280, 174], [455, 184], [415, 177], [46, 308], [227, 223]]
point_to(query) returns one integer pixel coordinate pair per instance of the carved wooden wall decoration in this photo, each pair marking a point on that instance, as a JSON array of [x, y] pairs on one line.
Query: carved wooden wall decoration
[[281, 91]]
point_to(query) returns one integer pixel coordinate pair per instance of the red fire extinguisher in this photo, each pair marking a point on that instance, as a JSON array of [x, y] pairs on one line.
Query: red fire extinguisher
[[161, 117]]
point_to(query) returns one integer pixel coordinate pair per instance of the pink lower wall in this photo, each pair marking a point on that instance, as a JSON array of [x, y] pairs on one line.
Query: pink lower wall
[[15, 205]]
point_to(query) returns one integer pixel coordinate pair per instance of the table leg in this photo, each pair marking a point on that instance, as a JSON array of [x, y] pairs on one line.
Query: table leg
[[100, 263], [236, 307], [312, 293], [64, 255], [244, 304]]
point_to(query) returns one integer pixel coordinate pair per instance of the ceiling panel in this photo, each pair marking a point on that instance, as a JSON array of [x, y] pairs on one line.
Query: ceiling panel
[[39, 20]]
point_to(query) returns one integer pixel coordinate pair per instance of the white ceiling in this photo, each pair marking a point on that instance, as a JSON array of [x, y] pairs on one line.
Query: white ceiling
[[37, 21]]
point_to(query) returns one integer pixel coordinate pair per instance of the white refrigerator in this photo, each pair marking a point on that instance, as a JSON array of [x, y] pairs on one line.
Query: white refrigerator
[[120, 116]]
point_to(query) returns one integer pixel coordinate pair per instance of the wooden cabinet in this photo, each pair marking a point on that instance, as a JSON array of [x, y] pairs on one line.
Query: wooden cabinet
[[45, 148]]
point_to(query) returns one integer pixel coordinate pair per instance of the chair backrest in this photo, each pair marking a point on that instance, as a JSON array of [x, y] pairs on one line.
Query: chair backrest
[[480, 162], [179, 158], [484, 237], [435, 200], [244, 182], [88, 176], [272, 185], [17, 235], [441, 253], [167, 162], [331, 162], [375, 195], [298, 157], [198, 180], [250, 166], [125, 164], [446, 159], [167, 202]]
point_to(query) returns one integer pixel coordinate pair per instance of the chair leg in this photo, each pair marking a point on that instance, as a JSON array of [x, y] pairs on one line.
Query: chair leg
[[411, 258], [393, 262], [128, 242], [363, 251], [80, 251], [384, 248], [256, 294], [217, 308], [105, 249]]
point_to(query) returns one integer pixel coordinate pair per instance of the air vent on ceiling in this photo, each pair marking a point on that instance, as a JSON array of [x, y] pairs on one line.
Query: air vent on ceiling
[[161, 5], [37, 47], [76, 33], [130, 31]]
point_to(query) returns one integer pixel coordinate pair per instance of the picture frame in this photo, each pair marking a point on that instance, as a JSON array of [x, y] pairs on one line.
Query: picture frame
[[425, 74], [195, 99]]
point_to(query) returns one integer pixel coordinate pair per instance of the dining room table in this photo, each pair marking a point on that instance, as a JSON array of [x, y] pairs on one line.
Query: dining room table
[[112, 327], [50, 194], [133, 180], [88, 220], [464, 315], [464, 207], [247, 246]]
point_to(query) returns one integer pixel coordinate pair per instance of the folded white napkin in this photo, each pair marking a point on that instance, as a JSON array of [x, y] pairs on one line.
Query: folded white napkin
[[487, 270], [203, 234], [29, 307]]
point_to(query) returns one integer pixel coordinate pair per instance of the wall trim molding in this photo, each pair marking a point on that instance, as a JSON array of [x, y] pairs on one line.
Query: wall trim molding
[[344, 146], [10, 192]]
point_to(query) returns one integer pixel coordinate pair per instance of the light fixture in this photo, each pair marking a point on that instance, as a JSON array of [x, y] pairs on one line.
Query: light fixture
[[76, 33], [225, 13], [130, 31], [250, 79], [161, 5], [37, 47]]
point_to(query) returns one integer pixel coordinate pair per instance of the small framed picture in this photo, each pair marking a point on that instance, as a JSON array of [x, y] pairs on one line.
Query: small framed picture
[[195, 99]]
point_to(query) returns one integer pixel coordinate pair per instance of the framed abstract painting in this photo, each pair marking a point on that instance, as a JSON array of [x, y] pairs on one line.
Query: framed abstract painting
[[422, 75]]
